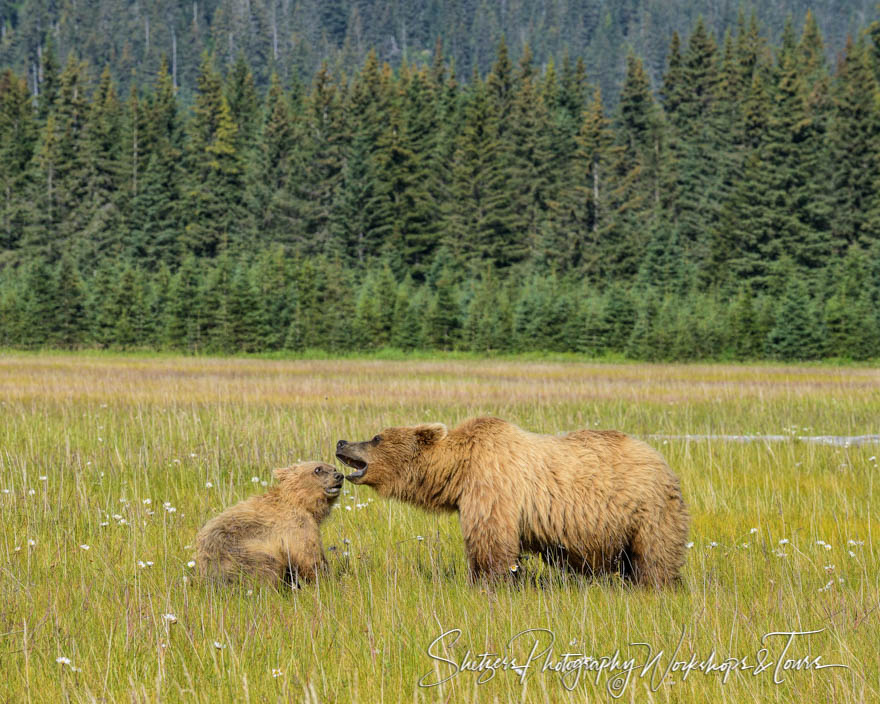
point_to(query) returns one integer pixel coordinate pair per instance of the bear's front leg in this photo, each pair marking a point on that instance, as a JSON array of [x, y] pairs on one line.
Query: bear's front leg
[[304, 555], [491, 537]]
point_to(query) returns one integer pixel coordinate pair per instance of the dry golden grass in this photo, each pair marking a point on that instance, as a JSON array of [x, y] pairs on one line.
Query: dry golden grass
[[96, 451]]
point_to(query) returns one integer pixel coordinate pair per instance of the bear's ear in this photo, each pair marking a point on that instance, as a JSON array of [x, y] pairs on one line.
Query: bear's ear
[[430, 433], [283, 473]]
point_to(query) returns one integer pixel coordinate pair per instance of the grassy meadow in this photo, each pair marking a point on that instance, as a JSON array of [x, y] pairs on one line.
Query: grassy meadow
[[110, 464]]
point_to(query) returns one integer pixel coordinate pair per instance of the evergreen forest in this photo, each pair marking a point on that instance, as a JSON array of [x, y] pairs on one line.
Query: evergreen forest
[[722, 203]]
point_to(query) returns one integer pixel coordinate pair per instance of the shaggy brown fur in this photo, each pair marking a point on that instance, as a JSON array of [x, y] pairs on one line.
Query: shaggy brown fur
[[594, 501], [274, 536]]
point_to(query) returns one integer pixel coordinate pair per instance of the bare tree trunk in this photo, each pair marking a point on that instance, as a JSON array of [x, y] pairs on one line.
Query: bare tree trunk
[[274, 31], [174, 57], [595, 196], [134, 157]]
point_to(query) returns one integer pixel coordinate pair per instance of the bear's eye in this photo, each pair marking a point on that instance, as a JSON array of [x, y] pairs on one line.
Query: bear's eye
[[317, 470], [376, 440]]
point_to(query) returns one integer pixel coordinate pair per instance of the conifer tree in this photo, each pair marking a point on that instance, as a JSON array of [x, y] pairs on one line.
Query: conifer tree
[[528, 175], [798, 333], [269, 182], [480, 226], [101, 146], [853, 139], [69, 314], [407, 323], [215, 212], [18, 139]]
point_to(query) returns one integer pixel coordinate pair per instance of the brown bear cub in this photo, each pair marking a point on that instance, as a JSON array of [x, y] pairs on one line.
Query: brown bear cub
[[593, 501], [274, 536]]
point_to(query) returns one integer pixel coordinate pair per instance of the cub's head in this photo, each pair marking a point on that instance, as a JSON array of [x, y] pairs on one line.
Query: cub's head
[[391, 461], [310, 482]]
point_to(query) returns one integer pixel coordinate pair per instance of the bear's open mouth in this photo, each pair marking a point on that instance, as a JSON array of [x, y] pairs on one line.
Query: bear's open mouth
[[359, 466], [333, 490]]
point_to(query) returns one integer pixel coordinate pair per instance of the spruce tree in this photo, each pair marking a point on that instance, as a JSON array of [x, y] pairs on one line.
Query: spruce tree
[[18, 139], [853, 139], [69, 314]]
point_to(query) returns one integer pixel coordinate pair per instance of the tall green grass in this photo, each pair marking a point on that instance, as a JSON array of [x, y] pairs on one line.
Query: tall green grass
[[117, 454]]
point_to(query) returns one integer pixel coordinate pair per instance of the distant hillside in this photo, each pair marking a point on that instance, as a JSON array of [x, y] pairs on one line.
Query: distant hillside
[[296, 35]]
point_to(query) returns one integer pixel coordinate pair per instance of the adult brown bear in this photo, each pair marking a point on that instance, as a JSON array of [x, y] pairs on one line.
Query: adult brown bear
[[597, 501]]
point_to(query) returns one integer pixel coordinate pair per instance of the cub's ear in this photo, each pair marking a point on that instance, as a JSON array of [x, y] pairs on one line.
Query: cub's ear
[[283, 473], [430, 433]]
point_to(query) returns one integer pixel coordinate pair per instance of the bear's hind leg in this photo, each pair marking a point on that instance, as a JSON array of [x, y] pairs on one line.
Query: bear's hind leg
[[652, 559]]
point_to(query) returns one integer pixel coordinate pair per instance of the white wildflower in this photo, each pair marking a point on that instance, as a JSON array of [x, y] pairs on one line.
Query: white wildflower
[[208, 485], [191, 563], [784, 541], [62, 660], [84, 547], [170, 618], [219, 645], [276, 672], [689, 545], [753, 531], [255, 480]]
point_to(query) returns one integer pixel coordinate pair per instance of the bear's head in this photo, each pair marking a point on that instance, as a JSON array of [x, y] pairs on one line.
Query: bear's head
[[395, 462], [313, 486]]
